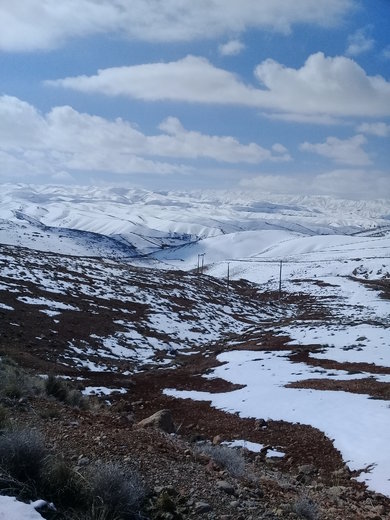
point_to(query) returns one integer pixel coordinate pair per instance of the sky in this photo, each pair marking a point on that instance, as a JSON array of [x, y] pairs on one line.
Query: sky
[[271, 96]]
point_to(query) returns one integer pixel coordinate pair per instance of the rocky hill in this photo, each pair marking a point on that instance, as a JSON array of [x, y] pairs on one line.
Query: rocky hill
[[122, 335]]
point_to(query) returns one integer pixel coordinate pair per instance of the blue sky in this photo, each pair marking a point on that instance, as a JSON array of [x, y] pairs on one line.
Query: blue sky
[[260, 95]]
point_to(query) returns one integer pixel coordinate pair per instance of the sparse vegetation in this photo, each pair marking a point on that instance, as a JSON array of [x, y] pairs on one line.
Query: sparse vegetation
[[62, 484], [22, 454], [116, 493], [62, 391], [230, 459], [56, 387], [15, 382], [29, 471], [305, 508]]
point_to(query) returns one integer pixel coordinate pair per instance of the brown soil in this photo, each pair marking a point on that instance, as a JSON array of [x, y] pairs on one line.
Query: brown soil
[[371, 387]]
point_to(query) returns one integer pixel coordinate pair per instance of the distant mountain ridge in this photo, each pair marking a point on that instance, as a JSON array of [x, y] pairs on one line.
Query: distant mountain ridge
[[121, 222]]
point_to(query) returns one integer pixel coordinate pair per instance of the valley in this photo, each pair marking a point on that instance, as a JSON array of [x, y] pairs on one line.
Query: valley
[[291, 352]]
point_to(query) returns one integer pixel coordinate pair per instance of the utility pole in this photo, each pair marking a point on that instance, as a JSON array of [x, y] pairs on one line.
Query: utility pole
[[280, 279], [200, 265]]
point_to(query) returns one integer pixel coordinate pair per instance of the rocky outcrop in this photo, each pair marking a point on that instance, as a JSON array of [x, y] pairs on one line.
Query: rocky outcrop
[[161, 420]]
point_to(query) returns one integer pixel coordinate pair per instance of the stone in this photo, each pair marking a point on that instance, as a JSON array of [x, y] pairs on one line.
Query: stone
[[83, 461], [260, 424], [217, 440], [202, 507], [336, 491], [161, 420], [307, 469], [226, 487]]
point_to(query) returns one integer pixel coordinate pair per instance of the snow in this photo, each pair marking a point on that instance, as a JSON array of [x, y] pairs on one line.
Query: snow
[[6, 307], [47, 303], [102, 390], [346, 343], [255, 447], [12, 509], [358, 425]]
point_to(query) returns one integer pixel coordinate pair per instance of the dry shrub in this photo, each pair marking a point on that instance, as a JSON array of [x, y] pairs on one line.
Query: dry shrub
[[116, 493], [230, 459], [22, 454]]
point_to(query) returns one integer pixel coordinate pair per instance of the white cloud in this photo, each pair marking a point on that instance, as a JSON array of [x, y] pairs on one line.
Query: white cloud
[[323, 86], [34, 24], [314, 119], [344, 151], [386, 52], [359, 42], [192, 79], [354, 184], [231, 48], [379, 129], [179, 142], [39, 143]]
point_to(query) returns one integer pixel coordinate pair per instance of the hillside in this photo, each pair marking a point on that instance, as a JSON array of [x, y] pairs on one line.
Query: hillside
[[104, 289]]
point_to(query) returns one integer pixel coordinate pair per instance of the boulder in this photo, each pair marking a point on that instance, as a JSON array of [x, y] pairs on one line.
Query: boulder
[[226, 487], [161, 420]]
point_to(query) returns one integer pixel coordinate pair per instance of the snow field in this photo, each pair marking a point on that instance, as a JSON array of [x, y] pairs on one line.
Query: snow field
[[358, 425]]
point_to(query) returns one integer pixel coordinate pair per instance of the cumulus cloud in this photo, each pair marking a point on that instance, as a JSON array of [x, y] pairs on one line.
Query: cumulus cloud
[[354, 184], [38, 143], [179, 142], [379, 129], [231, 48], [344, 151], [359, 42], [323, 86], [33, 24]]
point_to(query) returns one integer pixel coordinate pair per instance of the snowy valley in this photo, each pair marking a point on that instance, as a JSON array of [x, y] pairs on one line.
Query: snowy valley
[[272, 308]]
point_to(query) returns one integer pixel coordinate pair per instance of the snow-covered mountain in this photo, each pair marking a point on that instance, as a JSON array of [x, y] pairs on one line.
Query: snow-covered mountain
[[128, 223]]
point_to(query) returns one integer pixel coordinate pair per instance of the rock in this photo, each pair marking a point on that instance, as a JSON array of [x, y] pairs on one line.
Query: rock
[[226, 487], [217, 440], [260, 424], [83, 461], [336, 491], [202, 507], [307, 469], [42, 506], [169, 490], [161, 420]]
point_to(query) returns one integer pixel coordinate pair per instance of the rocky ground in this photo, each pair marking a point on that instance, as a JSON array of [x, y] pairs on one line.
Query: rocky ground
[[187, 472]]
